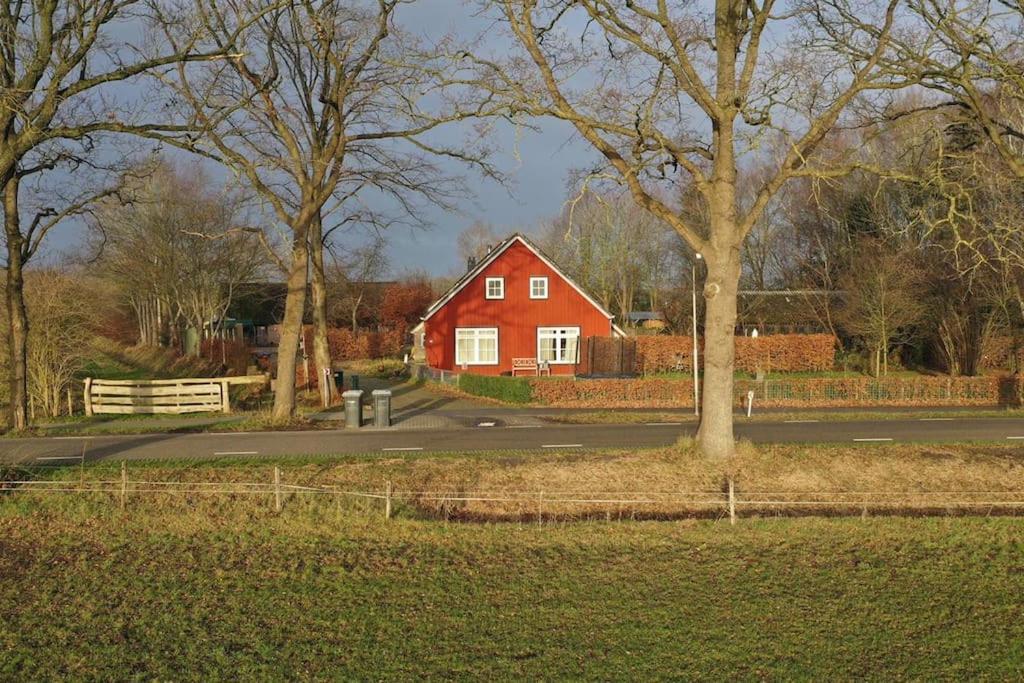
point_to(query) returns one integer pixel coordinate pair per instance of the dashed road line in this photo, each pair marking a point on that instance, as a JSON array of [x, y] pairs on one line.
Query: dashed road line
[[562, 445], [486, 424], [880, 438], [404, 448], [236, 452]]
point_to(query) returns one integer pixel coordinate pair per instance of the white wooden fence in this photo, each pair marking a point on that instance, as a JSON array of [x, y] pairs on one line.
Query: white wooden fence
[[187, 395]]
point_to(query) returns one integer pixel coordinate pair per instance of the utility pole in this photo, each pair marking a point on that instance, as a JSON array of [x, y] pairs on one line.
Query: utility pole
[[696, 370]]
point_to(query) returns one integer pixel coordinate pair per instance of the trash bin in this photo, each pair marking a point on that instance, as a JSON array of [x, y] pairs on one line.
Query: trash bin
[[339, 380], [381, 408], [354, 381], [353, 409]]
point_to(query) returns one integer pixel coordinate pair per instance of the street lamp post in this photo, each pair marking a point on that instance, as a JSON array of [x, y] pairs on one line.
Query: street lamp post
[[696, 370]]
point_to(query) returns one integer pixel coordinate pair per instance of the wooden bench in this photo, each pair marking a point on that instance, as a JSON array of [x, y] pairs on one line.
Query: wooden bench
[[530, 365]]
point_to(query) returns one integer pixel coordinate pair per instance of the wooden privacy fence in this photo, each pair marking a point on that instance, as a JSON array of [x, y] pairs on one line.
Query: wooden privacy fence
[[607, 357], [175, 396]]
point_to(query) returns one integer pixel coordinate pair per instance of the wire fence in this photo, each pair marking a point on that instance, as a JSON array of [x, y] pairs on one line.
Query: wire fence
[[730, 501]]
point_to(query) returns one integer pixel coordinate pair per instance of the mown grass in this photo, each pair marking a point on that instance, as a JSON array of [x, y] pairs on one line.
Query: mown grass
[[319, 595], [211, 586]]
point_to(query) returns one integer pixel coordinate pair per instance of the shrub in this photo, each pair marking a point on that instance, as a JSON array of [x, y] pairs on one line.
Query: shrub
[[508, 389], [788, 393], [775, 352]]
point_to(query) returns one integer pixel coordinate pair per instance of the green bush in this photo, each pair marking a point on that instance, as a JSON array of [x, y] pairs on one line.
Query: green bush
[[508, 389]]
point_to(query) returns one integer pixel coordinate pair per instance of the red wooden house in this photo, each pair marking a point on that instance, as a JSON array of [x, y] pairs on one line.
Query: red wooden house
[[513, 311]]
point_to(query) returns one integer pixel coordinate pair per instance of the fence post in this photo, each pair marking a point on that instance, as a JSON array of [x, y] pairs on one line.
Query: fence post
[[225, 397], [124, 484], [732, 502], [387, 499], [277, 489], [87, 396], [540, 508]]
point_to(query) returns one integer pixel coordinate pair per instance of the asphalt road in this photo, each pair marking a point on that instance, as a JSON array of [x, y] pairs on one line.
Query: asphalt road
[[62, 450]]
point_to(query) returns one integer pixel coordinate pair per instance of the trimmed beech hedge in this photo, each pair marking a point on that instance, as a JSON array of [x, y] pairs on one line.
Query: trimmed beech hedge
[[656, 392], [773, 352], [508, 389]]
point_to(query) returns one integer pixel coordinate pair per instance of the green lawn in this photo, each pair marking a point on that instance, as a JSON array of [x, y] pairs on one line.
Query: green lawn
[[199, 587], [344, 596]]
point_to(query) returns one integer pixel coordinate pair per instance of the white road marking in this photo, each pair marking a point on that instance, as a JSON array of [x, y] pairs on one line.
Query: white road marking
[[936, 419], [486, 424], [407, 448], [875, 439], [61, 457], [562, 445], [661, 424], [800, 422], [68, 438], [235, 452]]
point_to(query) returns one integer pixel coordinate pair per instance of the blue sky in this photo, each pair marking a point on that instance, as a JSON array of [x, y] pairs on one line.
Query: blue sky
[[536, 163]]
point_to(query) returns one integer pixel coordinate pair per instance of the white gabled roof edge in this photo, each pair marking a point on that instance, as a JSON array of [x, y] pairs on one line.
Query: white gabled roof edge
[[491, 257]]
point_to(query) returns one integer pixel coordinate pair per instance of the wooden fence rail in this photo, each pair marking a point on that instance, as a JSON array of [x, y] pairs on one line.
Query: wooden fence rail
[[174, 396]]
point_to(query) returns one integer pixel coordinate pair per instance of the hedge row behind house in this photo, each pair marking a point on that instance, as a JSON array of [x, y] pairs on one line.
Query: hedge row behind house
[[790, 393], [776, 352]]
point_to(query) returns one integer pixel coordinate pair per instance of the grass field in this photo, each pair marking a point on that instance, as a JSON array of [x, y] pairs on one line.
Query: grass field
[[198, 587], [321, 597]]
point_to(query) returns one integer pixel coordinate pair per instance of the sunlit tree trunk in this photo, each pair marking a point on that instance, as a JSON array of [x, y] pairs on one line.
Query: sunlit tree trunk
[[321, 347], [291, 327], [17, 314]]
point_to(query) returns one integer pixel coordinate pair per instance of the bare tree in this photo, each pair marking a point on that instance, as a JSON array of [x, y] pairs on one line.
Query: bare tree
[[174, 251], [655, 86], [350, 277], [474, 242], [58, 62], [617, 250], [321, 100], [884, 301]]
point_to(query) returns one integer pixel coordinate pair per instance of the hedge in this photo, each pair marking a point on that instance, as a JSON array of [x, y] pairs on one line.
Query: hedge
[[508, 389], [776, 352], [790, 393]]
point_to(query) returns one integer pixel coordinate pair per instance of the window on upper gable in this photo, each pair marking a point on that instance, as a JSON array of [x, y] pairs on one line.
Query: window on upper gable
[[538, 288], [495, 288]]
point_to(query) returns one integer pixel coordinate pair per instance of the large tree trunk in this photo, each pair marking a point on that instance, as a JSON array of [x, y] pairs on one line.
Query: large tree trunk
[[715, 435], [291, 327], [321, 348], [17, 316]]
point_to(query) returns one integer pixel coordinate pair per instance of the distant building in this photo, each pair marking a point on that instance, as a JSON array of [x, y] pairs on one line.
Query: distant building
[[648, 320]]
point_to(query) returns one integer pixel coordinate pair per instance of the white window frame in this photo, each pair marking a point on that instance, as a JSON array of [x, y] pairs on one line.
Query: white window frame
[[563, 329], [487, 287], [459, 361], [539, 279]]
